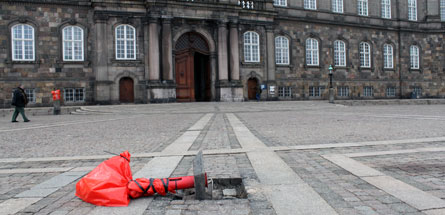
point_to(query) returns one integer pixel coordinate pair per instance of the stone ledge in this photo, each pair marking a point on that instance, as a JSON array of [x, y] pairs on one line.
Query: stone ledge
[[390, 102], [38, 111]]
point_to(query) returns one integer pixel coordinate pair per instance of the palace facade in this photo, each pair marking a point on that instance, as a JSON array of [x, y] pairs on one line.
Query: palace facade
[[142, 51]]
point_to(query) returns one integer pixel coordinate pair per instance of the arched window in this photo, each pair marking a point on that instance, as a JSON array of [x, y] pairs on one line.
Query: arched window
[[386, 9], [365, 55], [388, 57], [339, 53], [412, 10], [251, 47], [281, 50], [362, 7], [23, 43], [414, 56], [312, 52], [310, 4], [72, 43], [125, 42], [337, 6]]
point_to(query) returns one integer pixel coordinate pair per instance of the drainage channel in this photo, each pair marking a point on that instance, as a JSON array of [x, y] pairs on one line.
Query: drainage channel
[[217, 189]]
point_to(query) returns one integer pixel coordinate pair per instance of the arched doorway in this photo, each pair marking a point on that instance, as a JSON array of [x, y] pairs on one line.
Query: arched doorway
[[192, 68], [252, 85], [126, 90]]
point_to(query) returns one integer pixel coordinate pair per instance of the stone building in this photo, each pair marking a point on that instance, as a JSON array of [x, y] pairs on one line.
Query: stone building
[[141, 51]]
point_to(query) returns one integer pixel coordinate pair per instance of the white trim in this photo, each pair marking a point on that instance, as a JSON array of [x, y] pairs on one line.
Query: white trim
[[414, 57], [388, 58], [249, 57], [412, 10], [281, 3], [337, 6], [283, 49], [362, 7], [365, 55], [72, 41], [13, 39], [386, 9], [340, 53], [310, 4], [125, 41], [313, 52]]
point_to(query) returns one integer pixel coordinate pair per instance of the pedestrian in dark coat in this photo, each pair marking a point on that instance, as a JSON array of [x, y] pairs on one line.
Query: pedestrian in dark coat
[[258, 93], [19, 100]]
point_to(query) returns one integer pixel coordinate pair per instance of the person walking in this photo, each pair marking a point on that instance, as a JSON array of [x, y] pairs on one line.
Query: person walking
[[258, 93], [19, 100]]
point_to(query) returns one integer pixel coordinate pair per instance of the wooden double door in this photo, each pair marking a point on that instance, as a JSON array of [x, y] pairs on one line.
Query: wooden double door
[[126, 90], [192, 76]]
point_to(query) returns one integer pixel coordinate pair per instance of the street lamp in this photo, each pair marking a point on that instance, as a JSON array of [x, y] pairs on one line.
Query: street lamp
[[331, 89]]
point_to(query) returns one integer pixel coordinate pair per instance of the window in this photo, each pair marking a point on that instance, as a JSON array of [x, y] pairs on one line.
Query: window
[[417, 91], [343, 91], [125, 42], [281, 50], [368, 91], [390, 92], [442, 10], [31, 94], [386, 9], [339, 53], [310, 4], [315, 91], [22, 42], [365, 55], [312, 52], [388, 59], [337, 6], [280, 3], [251, 47], [74, 94], [72, 43], [362, 7], [414, 56], [412, 10], [285, 92]]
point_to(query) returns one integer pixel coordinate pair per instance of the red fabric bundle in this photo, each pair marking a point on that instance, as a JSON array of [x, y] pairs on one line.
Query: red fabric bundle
[[106, 185]]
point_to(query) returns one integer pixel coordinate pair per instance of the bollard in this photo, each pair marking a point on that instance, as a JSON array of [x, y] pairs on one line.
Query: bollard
[[56, 101], [200, 177]]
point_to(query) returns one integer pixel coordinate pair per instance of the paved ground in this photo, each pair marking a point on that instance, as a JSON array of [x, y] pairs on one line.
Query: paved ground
[[293, 157]]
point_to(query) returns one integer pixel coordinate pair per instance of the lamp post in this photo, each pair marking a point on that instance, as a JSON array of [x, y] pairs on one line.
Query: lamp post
[[331, 89]]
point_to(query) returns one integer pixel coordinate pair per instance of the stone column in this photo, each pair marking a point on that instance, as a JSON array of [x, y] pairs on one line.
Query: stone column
[[101, 48], [270, 54], [167, 56], [222, 51], [153, 51], [103, 85], [146, 50], [213, 76], [234, 52]]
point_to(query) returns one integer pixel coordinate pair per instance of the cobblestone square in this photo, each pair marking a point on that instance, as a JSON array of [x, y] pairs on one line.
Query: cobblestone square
[[293, 157]]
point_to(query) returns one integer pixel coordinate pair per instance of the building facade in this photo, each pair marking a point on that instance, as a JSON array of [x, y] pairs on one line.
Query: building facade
[[142, 51]]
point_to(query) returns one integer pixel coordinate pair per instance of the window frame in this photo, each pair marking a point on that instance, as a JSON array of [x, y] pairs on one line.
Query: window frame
[[412, 10], [22, 39], [362, 8], [343, 91], [414, 58], [29, 92], [82, 43], [285, 91], [386, 56], [250, 57], [125, 42], [391, 92], [73, 96], [311, 51], [280, 3], [337, 6], [365, 56], [386, 7], [284, 51], [316, 91], [339, 54], [310, 4], [368, 90]]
